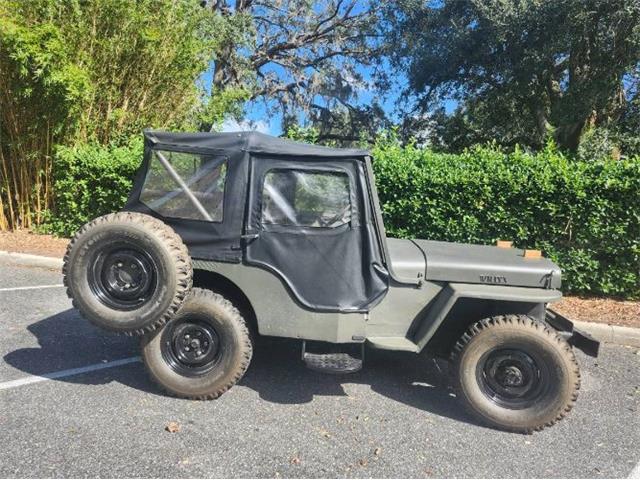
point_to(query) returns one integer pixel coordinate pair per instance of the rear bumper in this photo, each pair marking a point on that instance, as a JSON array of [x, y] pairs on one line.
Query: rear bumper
[[574, 337]]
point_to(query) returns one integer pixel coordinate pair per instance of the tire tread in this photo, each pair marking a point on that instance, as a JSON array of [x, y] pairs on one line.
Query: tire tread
[[246, 345], [526, 322], [168, 236]]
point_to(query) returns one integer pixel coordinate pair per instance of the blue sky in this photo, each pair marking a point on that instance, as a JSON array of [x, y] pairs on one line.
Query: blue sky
[[257, 117]]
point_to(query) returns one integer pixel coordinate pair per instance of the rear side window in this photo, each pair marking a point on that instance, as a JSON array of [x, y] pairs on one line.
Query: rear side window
[[185, 185], [306, 199]]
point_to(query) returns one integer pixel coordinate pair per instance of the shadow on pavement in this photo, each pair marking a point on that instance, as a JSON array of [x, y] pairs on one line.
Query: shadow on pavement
[[277, 372], [68, 341]]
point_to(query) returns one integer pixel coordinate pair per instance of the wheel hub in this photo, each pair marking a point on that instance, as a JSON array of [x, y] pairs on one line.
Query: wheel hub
[[191, 347], [510, 377], [126, 274], [123, 277]]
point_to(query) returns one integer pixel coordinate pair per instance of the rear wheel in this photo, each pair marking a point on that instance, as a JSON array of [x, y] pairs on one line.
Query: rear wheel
[[515, 373], [203, 351]]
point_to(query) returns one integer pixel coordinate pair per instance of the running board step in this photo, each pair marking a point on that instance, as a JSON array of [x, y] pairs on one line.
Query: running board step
[[333, 362]]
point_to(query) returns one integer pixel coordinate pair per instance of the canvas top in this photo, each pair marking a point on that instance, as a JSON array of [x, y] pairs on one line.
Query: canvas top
[[253, 142], [270, 203]]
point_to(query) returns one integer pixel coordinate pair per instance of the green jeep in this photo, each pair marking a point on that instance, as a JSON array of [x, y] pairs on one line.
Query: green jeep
[[226, 237]]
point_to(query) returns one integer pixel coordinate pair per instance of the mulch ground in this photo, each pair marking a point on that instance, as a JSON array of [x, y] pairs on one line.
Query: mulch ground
[[601, 310], [24, 241]]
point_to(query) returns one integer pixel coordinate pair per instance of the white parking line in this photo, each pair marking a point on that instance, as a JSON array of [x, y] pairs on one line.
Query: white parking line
[[11, 289], [635, 473], [66, 373]]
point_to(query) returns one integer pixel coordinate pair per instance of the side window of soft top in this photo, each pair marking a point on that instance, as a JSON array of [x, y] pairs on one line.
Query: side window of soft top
[[185, 185], [303, 198]]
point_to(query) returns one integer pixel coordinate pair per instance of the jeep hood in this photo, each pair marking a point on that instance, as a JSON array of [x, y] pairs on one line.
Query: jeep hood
[[463, 263]]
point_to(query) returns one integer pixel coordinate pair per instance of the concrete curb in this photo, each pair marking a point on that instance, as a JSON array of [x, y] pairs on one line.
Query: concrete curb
[[611, 333], [29, 259], [600, 331]]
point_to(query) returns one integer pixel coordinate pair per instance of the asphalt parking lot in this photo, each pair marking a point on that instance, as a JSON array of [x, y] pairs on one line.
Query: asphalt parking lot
[[395, 418]]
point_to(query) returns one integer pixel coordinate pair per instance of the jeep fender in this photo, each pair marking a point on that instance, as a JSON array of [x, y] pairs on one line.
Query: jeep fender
[[476, 298]]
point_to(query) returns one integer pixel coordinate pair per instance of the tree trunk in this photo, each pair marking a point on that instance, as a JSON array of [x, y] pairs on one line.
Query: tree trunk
[[568, 136]]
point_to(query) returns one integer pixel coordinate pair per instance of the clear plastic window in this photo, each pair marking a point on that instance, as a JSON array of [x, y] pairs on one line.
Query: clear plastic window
[[185, 185], [306, 199]]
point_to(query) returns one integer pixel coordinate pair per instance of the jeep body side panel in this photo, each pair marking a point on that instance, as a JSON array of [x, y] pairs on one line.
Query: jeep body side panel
[[457, 262], [279, 314], [439, 310], [409, 316], [407, 260], [402, 307]]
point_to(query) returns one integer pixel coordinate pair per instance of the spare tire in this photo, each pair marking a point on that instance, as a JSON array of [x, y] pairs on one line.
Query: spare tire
[[127, 272]]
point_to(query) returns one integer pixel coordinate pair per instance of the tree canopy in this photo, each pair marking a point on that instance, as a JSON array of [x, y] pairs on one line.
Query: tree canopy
[[460, 73], [520, 70], [100, 70], [302, 57]]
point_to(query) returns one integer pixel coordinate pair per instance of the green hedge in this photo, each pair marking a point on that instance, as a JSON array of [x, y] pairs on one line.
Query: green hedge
[[583, 215], [90, 180]]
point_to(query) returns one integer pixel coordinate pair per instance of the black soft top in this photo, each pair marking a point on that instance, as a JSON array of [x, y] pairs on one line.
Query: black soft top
[[252, 142], [349, 272]]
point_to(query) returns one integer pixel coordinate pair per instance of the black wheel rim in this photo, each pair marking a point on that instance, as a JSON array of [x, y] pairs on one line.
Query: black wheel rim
[[512, 377], [191, 346], [123, 277]]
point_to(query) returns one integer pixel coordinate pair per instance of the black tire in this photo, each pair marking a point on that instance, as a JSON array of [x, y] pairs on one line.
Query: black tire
[[199, 374], [127, 272], [515, 373]]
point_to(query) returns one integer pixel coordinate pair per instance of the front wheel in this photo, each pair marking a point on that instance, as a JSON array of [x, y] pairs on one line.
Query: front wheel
[[515, 373], [203, 351]]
